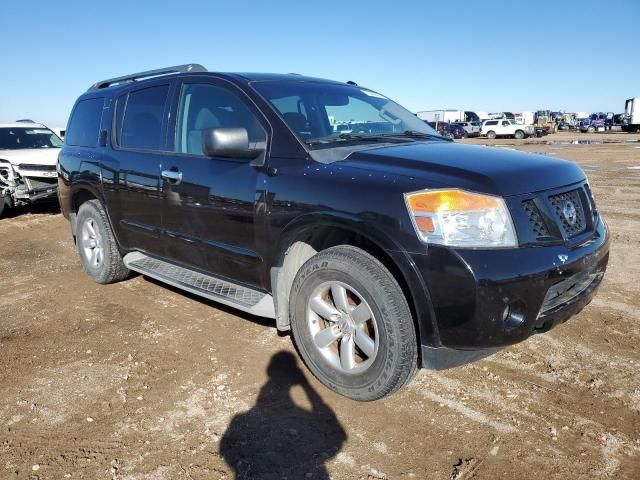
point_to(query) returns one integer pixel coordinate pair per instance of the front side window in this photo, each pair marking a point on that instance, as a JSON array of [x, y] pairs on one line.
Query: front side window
[[204, 106], [84, 127], [143, 118], [328, 112], [16, 138]]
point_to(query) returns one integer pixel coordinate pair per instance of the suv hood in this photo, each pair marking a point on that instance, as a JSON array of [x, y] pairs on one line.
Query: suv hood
[[32, 156], [496, 171]]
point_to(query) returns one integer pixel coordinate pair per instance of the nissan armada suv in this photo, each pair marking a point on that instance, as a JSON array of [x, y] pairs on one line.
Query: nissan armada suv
[[382, 248]]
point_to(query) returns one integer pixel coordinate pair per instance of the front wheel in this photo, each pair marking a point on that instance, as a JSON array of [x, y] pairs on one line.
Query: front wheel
[[351, 324], [591, 130], [519, 134], [491, 134]]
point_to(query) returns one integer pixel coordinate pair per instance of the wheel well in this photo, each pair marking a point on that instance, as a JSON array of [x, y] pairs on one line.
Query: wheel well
[[80, 197], [302, 246]]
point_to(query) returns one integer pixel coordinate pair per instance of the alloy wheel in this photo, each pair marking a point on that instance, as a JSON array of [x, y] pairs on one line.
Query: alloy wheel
[[343, 327], [92, 244]]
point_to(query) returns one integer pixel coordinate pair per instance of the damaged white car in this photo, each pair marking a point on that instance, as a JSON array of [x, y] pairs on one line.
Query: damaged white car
[[28, 157]]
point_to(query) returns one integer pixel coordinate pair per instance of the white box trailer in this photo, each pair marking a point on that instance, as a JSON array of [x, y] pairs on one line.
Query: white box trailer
[[524, 118], [632, 115], [441, 115]]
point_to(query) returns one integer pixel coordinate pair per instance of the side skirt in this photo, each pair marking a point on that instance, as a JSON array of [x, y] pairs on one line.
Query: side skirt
[[207, 286]]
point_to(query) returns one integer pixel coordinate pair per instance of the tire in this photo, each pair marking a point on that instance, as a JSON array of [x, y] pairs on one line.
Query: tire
[[97, 246], [591, 129], [519, 134], [491, 134], [3, 204], [370, 369]]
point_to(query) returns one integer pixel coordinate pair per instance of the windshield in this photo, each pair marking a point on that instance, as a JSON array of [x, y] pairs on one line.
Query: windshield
[[315, 110], [16, 138]]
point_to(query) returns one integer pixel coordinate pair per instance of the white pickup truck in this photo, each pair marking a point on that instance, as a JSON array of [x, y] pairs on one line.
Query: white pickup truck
[[506, 128]]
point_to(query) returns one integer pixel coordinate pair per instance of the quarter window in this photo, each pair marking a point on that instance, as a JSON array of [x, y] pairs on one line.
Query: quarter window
[[143, 118], [84, 127], [204, 106]]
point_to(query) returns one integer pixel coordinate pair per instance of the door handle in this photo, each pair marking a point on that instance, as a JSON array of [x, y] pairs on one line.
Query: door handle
[[174, 176]]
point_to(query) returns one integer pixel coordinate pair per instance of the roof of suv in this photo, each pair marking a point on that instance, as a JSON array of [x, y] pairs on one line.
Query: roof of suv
[[196, 69], [271, 77]]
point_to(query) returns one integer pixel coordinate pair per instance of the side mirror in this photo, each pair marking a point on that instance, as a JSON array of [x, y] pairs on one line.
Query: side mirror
[[229, 143]]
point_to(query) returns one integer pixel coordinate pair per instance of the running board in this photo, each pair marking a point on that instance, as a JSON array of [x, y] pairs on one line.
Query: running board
[[216, 289]]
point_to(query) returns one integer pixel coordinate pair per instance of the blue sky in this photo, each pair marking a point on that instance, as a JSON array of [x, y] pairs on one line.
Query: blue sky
[[474, 55]]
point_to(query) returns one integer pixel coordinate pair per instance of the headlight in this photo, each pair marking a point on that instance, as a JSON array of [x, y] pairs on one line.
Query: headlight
[[461, 219]]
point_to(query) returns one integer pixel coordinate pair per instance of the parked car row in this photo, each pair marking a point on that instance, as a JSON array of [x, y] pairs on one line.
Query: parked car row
[[539, 123], [456, 129]]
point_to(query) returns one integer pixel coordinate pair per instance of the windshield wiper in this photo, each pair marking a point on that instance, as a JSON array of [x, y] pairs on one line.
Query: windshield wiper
[[348, 137], [415, 133], [345, 137]]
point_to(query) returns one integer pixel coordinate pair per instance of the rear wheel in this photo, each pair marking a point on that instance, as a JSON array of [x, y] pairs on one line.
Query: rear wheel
[[352, 325], [491, 134], [519, 134], [97, 246]]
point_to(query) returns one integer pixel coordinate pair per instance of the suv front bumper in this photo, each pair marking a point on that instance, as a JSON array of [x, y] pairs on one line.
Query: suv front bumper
[[484, 300]]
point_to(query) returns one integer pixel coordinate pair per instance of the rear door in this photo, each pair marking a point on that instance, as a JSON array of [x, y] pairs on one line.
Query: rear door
[[132, 174], [209, 213]]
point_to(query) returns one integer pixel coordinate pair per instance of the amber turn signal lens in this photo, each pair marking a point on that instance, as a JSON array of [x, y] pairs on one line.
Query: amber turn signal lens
[[425, 224], [449, 200]]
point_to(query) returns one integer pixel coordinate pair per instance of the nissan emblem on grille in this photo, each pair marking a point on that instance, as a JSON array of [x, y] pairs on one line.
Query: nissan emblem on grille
[[569, 209], [569, 212]]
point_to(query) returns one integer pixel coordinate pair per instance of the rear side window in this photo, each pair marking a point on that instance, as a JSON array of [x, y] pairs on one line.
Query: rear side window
[[495, 122], [142, 122], [84, 127]]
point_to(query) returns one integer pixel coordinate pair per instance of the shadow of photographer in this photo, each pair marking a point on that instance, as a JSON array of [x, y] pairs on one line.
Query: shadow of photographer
[[277, 438]]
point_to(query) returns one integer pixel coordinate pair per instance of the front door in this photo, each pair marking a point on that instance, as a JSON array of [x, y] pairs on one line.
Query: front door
[[209, 204]]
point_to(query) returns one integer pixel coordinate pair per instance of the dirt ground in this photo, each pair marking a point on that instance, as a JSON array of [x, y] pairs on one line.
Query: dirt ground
[[139, 381]]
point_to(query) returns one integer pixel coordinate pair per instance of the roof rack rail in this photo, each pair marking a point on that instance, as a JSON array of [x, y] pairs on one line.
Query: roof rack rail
[[187, 68]]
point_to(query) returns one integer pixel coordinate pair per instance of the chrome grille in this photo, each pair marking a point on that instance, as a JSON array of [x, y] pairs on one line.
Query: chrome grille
[[559, 204]]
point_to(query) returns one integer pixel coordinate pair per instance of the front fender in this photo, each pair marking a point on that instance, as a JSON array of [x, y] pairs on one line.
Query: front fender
[[404, 268]]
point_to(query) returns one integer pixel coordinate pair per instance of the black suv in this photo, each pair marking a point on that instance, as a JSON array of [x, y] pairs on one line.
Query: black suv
[[381, 245]]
